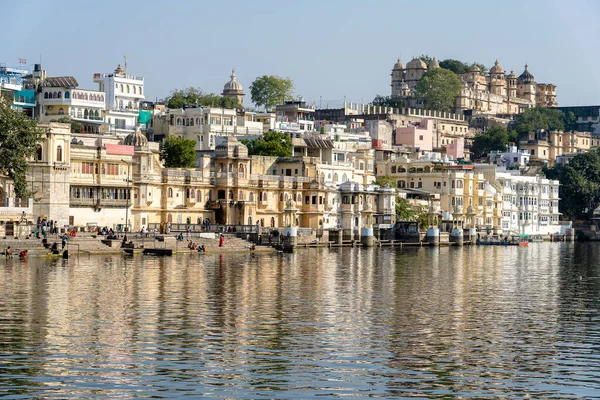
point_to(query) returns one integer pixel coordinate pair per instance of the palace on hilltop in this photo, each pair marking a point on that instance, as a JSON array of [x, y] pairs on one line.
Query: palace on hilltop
[[496, 92]]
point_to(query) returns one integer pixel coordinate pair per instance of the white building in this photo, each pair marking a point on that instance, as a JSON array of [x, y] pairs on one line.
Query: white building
[[61, 96], [123, 95], [512, 158], [530, 203]]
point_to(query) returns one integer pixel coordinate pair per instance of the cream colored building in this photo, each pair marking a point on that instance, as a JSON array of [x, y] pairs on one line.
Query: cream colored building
[[546, 146], [494, 93]]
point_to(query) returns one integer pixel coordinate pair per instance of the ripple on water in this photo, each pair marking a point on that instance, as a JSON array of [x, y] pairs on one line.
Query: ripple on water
[[471, 322]]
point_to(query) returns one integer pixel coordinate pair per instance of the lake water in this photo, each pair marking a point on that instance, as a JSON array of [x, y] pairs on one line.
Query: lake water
[[473, 322]]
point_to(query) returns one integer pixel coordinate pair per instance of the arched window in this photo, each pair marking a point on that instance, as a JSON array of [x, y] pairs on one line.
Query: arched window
[[169, 216], [335, 177], [61, 111], [45, 95], [67, 95], [79, 113], [59, 153], [170, 192], [393, 169], [55, 95], [197, 121], [191, 121], [280, 196], [38, 153], [85, 113], [127, 88], [122, 88], [272, 222], [285, 197], [134, 90], [60, 95], [192, 192], [344, 178], [199, 194], [241, 195], [231, 195], [299, 198]]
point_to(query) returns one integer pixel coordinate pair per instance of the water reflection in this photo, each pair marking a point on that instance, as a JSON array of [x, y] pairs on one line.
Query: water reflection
[[480, 322]]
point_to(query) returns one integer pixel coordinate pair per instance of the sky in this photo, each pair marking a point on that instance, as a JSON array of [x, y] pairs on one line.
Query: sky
[[332, 49]]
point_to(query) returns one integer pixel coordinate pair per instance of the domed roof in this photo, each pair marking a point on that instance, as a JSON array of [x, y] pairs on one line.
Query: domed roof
[[136, 139], [398, 65], [497, 68], [526, 76], [475, 68], [233, 85], [434, 64], [416, 63], [512, 75]]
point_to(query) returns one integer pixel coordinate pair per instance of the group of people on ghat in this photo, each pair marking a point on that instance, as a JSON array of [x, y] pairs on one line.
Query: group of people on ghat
[[194, 246], [45, 227]]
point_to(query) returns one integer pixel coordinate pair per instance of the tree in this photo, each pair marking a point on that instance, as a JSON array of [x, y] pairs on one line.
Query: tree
[[458, 67], [270, 90], [438, 89], [495, 138], [178, 98], [404, 210], [426, 59], [178, 152], [570, 121], [386, 181], [579, 189], [191, 95], [276, 144], [388, 101], [537, 118], [76, 127], [19, 138]]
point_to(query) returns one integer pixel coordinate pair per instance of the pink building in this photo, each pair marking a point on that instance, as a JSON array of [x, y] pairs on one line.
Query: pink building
[[417, 135], [456, 149]]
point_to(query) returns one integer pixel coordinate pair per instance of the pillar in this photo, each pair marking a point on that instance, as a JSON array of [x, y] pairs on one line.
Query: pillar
[[456, 237], [433, 236], [569, 235], [366, 237], [290, 239]]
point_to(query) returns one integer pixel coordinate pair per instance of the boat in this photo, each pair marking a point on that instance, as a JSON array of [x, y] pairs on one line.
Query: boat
[[536, 239]]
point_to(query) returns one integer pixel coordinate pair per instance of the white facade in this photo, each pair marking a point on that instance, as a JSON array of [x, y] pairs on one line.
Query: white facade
[[512, 158], [123, 96], [530, 204], [85, 106]]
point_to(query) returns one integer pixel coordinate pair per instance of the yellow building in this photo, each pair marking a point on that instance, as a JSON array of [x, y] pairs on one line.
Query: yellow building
[[546, 146]]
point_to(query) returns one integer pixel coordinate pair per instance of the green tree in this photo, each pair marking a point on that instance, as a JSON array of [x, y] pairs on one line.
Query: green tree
[[537, 118], [270, 90], [76, 127], [388, 101], [178, 152], [19, 138], [386, 181], [426, 59], [404, 210], [495, 138], [570, 121], [177, 98], [438, 89], [458, 67], [579, 189], [276, 144]]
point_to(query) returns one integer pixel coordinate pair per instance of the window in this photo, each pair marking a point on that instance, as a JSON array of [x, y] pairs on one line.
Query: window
[[110, 169], [38, 153], [67, 95], [170, 192], [87, 167], [59, 153], [420, 137], [61, 111]]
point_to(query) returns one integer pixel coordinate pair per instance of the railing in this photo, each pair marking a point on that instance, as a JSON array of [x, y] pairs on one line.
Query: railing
[[113, 75], [199, 228]]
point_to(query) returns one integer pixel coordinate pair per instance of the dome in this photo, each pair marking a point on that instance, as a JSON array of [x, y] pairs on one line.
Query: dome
[[136, 139], [233, 85], [526, 76], [398, 65], [475, 68], [512, 75], [497, 68], [434, 64], [416, 63]]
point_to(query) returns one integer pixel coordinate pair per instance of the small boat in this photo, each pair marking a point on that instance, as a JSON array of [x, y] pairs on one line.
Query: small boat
[[536, 239]]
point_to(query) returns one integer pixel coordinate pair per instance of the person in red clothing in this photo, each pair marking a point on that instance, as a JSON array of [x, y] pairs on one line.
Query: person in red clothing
[[221, 241]]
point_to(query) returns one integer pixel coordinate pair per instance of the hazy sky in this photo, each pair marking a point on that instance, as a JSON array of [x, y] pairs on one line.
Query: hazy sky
[[330, 48]]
